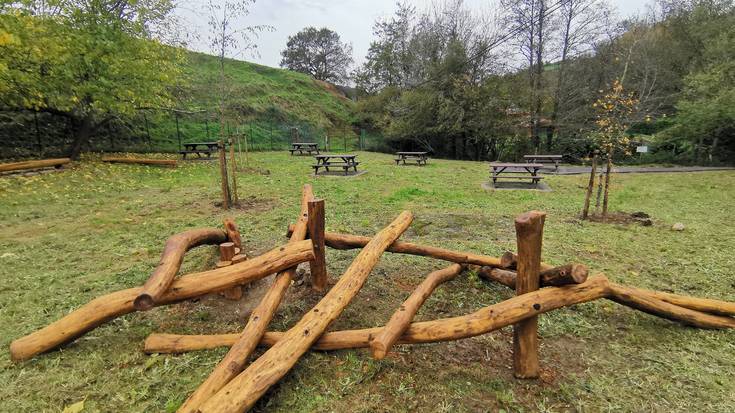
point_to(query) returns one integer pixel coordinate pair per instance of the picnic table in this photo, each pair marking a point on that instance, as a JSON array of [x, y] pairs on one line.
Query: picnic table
[[419, 157], [304, 146], [199, 148], [343, 161], [516, 171], [544, 159]]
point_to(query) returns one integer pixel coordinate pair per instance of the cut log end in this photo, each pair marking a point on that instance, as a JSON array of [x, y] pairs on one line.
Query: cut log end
[[378, 349], [143, 302], [508, 260]]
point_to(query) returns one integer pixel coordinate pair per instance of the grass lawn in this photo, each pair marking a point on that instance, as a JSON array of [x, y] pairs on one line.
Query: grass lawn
[[68, 237]]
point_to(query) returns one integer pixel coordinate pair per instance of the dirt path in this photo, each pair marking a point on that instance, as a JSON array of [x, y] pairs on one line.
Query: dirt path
[[575, 170]]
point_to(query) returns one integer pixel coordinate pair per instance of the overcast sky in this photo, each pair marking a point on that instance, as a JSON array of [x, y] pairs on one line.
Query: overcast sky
[[351, 19]]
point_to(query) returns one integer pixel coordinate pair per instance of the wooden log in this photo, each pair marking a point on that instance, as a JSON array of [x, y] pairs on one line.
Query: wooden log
[[529, 236], [171, 258], [508, 260], [401, 319], [37, 164], [233, 234], [244, 390], [705, 305], [318, 267], [239, 258], [107, 307], [234, 361], [233, 293], [227, 251], [632, 298], [347, 241], [482, 321], [142, 161], [554, 277]]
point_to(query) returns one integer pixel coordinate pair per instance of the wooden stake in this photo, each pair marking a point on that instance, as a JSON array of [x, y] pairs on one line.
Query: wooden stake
[[316, 233], [607, 181], [401, 319], [529, 235], [223, 175], [233, 169], [244, 390], [590, 186], [170, 262], [110, 306], [234, 362], [227, 250]]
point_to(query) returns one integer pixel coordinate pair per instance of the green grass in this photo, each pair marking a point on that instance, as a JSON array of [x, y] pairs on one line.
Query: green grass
[[68, 237]]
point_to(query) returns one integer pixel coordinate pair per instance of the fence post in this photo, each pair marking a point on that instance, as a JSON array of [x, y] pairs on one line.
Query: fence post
[[316, 233], [529, 235], [223, 173]]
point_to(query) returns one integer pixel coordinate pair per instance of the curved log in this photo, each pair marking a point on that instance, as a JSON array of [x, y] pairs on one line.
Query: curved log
[[42, 163], [113, 305], [401, 319], [171, 258], [705, 305], [482, 321], [234, 361], [245, 389], [142, 161]]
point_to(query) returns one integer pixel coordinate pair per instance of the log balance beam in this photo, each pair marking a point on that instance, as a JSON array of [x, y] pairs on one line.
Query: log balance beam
[[38, 164]]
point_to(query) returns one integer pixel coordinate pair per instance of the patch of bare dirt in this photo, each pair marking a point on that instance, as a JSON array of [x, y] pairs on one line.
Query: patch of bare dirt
[[624, 218]]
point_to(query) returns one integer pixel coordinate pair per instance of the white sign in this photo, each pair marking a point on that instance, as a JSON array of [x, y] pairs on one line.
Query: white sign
[[641, 149]]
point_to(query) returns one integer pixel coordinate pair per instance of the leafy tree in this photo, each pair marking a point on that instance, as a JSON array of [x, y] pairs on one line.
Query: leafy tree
[[89, 61], [319, 53]]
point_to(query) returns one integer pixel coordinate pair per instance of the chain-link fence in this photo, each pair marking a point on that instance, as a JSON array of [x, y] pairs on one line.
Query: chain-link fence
[[39, 135]]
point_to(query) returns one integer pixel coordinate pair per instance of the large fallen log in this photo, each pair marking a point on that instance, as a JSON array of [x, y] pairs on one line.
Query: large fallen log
[[482, 321], [234, 361], [697, 312], [142, 161], [244, 390], [173, 254], [113, 305], [401, 319], [42, 163]]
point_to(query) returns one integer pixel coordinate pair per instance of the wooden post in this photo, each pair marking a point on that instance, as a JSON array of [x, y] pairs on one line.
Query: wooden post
[[316, 233], [233, 168], [607, 181], [590, 186], [223, 175], [599, 192], [243, 391], [529, 235]]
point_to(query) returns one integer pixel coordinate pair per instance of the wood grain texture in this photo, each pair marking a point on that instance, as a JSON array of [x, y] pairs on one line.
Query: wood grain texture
[[553, 277], [170, 263], [482, 321], [401, 319], [107, 307], [37, 164], [245, 389], [318, 267], [529, 236], [234, 361]]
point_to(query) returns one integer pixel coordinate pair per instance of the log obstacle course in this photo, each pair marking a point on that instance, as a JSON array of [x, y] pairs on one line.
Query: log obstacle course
[[235, 386]]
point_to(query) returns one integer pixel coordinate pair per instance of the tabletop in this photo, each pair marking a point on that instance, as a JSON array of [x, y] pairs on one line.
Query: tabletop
[[516, 165], [411, 153]]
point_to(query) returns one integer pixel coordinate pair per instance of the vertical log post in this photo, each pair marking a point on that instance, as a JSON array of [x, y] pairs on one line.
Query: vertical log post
[[607, 181], [227, 253], [233, 168], [529, 235], [590, 186], [223, 173], [316, 233]]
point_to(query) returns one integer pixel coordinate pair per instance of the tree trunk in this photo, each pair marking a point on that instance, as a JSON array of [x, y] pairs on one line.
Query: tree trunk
[[82, 131]]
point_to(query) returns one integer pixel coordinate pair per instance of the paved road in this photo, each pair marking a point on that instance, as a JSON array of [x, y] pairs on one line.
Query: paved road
[[575, 170]]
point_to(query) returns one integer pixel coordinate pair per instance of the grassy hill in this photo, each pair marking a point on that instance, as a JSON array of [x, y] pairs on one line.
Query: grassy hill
[[263, 102]]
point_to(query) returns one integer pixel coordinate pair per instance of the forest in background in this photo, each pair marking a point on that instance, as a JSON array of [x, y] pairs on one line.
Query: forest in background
[[528, 77]]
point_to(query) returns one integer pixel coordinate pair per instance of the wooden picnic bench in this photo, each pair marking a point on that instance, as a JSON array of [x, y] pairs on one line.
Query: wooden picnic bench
[[199, 148], [516, 171], [419, 157], [544, 159], [309, 147], [343, 161]]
